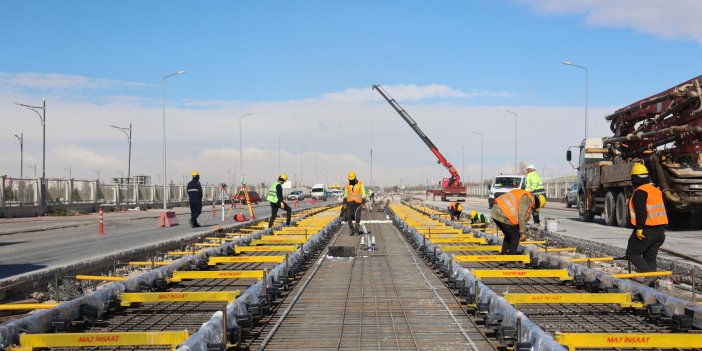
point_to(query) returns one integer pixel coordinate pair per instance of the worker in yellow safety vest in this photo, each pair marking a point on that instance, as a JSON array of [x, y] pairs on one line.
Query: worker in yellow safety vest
[[535, 186], [455, 209], [478, 218], [511, 213], [275, 198], [354, 198], [648, 217]]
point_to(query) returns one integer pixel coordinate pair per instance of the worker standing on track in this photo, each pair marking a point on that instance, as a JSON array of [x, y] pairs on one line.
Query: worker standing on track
[[455, 209], [479, 218], [195, 199], [535, 186], [275, 197], [511, 213], [354, 198], [649, 217]]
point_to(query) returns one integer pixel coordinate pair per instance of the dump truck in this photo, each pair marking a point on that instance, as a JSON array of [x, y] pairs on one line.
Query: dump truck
[[664, 132]]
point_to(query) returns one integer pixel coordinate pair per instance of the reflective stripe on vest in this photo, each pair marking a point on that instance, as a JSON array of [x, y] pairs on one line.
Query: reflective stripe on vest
[[354, 193], [273, 193], [655, 208], [509, 204]]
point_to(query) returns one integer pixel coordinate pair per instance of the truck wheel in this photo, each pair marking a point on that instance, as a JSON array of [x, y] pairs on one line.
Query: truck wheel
[[585, 215], [622, 211], [610, 209]]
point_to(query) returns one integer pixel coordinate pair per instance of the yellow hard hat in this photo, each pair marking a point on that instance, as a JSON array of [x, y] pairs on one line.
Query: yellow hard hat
[[473, 213], [284, 177], [639, 169], [352, 175], [195, 174], [541, 200]]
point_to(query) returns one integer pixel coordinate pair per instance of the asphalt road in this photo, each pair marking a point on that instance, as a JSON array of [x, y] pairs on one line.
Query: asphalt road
[[33, 245]]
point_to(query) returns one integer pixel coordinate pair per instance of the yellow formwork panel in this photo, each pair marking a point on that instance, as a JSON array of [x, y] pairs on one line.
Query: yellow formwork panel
[[492, 258], [622, 299], [126, 299], [576, 341], [244, 259], [561, 274], [281, 248], [30, 342], [642, 274], [448, 248], [101, 278], [148, 263], [460, 241], [277, 241], [179, 276], [27, 306]]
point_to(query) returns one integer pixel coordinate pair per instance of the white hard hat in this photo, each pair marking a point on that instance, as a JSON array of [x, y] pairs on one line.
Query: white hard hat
[[531, 167]]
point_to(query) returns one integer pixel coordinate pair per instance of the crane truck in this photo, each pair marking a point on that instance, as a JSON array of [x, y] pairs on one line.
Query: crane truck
[[450, 187], [664, 132]]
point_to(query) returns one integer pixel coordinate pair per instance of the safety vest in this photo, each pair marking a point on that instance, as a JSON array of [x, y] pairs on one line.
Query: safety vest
[[355, 193], [655, 208], [456, 207], [273, 193], [509, 204], [480, 218], [533, 182]]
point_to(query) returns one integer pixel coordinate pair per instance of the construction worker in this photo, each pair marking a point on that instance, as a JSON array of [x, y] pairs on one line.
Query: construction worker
[[649, 217], [535, 186], [195, 199], [511, 213], [478, 218], [455, 209], [354, 198], [275, 197]]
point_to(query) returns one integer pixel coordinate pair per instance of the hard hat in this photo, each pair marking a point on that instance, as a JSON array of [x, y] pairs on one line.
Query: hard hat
[[540, 200], [284, 177], [639, 169], [195, 174], [531, 167], [352, 175], [473, 213]]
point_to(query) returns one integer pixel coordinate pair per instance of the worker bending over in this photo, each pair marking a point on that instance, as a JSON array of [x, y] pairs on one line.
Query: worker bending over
[[535, 186], [649, 217], [455, 209], [511, 213], [354, 198], [275, 197], [479, 218]]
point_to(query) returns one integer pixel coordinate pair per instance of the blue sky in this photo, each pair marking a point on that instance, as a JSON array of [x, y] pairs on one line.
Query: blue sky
[[264, 54]]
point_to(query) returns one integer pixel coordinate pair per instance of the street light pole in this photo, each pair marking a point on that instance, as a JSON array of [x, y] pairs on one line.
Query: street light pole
[[165, 178], [70, 176], [463, 161], [21, 141], [129, 139], [98, 174], [241, 152], [481, 161], [568, 63], [279, 136], [42, 117], [515, 139]]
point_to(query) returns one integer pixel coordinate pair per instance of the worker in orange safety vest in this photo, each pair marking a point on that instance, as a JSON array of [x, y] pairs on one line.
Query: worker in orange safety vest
[[511, 213], [354, 198], [455, 209]]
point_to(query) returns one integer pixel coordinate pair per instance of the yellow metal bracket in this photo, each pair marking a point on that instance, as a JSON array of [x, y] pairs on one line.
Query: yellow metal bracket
[[591, 259], [29, 342], [149, 263], [101, 278], [561, 274], [240, 249], [559, 249], [621, 299], [492, 258], [460, 241], [576, 341], [179, 276], [277, 241], [126, 299], [242, 259], [470, 248], [27, 306], [643, 274]]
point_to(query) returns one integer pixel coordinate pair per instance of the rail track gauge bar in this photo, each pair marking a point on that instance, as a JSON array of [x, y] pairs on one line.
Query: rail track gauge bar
[[29, 342], [492, 258], [470, 247], [576, 341], [27, 306], [460, 241], [561, 274], [179, 276], [622, 299], [126, 299], [240, 249], [643, 274], [149, 263], [277, 241], [241, 259]]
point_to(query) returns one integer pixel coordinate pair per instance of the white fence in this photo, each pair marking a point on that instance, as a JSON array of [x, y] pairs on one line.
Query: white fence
[[555, 189]]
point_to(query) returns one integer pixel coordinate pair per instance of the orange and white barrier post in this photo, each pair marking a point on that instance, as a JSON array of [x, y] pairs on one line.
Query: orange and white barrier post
[[102, 225]]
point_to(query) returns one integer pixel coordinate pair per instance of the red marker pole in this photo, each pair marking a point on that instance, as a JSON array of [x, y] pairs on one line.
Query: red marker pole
[[102, 225]]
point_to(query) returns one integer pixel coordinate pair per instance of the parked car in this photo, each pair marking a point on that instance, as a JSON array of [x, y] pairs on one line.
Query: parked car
[[253, 196], [572, 195], [504, 183], [318, 192], [296, 195]]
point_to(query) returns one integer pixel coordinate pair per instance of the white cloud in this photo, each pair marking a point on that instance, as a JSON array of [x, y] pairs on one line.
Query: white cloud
[[667, 19], [61, 81], [411, 92]]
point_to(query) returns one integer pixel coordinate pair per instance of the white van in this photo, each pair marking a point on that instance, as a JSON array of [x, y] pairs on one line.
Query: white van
[[504, 183], [318, 192]]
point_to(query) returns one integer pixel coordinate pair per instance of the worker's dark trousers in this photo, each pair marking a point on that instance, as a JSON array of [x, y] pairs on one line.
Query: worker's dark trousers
[[510, 244], [455, 215], [353, 211], [274, 213], [195, 211], [643, 253], [535, 212]]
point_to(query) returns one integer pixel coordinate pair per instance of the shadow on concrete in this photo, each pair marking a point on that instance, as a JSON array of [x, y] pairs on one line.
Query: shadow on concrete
[[12, 243], [9, 270]]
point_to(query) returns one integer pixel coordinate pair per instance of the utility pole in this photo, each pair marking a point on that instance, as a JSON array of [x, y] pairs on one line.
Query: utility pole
[[21, 141], [42, 117], [129, 140]]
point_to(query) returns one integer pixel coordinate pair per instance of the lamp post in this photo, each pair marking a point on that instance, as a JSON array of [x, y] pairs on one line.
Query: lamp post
[[481, 161], [463, 160], [70, 176], [21, 141], [241, 152], [568, 63], [165, 178], [42, 117], [279, 137], [129, 139], [98, 174], [515, 139]]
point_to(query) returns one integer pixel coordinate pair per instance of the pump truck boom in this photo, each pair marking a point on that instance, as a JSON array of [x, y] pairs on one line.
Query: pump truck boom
[[451, 186]]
